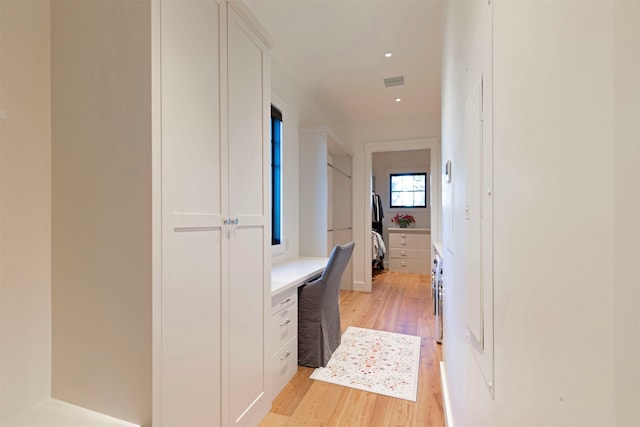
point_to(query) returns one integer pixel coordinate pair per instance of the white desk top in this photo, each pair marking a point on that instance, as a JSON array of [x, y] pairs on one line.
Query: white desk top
[[295, 272]]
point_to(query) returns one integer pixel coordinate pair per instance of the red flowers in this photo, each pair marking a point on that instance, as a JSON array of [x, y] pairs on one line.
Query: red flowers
[[403, 220]]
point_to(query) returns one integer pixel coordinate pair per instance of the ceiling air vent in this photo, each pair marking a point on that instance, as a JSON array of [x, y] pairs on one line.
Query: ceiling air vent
[[394, 81]]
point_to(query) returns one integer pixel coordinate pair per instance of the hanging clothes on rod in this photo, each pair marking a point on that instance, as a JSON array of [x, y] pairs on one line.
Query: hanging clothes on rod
[[377, 214], [378, 250]]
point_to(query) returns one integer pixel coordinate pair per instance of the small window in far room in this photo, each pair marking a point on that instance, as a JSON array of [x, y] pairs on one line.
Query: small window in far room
[[408, 190], [276, 176]]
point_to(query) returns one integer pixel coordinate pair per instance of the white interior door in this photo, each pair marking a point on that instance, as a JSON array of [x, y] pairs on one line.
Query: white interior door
[[249, 158], [342, 201], [192, 239]]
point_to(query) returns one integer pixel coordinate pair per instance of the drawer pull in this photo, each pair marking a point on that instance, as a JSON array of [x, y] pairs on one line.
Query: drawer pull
[[403, 243], [403, 235], [286, 322], [285, 356], [403, 253], [403, 263], [285, 301]]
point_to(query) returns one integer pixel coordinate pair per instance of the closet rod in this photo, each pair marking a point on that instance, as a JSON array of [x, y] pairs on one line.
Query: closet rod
[[343, 173]]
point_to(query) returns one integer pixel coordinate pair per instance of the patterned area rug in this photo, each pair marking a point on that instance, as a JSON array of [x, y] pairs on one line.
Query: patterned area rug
[[376, 361]]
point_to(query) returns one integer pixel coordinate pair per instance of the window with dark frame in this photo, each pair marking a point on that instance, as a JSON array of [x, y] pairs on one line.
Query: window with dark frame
[[408, 190], [276, 176]]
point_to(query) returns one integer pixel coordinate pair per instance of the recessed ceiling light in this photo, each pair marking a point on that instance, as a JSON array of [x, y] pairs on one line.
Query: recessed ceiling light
[[398, 99], [388, 54]]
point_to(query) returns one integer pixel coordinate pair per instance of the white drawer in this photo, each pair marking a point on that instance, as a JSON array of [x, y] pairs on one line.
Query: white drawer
[[410, 241], [421, 254], [420, 266], [284, 326], [404, 234], [284, 365], [283, 300]]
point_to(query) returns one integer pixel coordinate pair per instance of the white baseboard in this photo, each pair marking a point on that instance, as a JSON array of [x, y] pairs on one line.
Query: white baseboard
[[56, 413], [448, 416], [360, 286]]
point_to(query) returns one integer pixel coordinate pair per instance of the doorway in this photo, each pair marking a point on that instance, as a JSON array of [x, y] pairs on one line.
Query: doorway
[[431, 144]]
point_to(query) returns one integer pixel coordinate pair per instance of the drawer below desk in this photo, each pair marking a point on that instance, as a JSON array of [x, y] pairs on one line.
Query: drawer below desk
[[283, 300], [284, 327], [284, 365]]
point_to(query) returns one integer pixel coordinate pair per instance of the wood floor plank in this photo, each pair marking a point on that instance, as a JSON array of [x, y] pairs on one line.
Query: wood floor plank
[[275, 420], [293, 393], [393, 412], [401, 303], [407, 318], [320, 402], [355, 409], [390, 309]]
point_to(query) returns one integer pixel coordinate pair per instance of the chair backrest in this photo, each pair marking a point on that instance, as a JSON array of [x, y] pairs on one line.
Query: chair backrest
[[332, 275]]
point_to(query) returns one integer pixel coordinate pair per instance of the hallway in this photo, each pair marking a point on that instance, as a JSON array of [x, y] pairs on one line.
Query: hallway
[[398, 303]]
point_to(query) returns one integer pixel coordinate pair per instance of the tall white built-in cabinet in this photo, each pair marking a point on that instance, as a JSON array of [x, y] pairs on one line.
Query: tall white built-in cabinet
[[215, 222], [325, 195]]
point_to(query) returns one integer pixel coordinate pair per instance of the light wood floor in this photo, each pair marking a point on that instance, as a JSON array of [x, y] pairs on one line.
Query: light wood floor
[[399, 303]]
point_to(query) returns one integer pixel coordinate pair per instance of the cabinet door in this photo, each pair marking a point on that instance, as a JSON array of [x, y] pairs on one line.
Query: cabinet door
[[192, 236], [246, 299], [341, 199]]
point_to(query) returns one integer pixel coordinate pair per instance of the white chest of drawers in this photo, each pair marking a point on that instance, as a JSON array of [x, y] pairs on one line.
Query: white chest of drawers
[[410, 250]]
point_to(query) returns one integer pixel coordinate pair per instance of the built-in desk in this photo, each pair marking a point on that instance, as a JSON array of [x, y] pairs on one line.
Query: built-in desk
[[282, 342], [293, 273]]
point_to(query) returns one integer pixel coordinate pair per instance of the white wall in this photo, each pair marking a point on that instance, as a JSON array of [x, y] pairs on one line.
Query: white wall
[[565, 192], [101, 241], [389, 129], [25, 209]]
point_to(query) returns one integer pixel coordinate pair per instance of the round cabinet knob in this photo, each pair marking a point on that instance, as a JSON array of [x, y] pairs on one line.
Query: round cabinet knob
[[403, 243], [403, 235], [403, 253], [403, 263]]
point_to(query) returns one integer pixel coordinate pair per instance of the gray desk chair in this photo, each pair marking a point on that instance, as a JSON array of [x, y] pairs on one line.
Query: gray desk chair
[[319, 311]]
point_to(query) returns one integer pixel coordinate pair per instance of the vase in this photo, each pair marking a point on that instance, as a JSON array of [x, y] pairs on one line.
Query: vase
[[403, 225]]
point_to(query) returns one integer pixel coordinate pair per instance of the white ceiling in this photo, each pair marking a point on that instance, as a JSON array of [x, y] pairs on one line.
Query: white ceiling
[[335, 50]]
